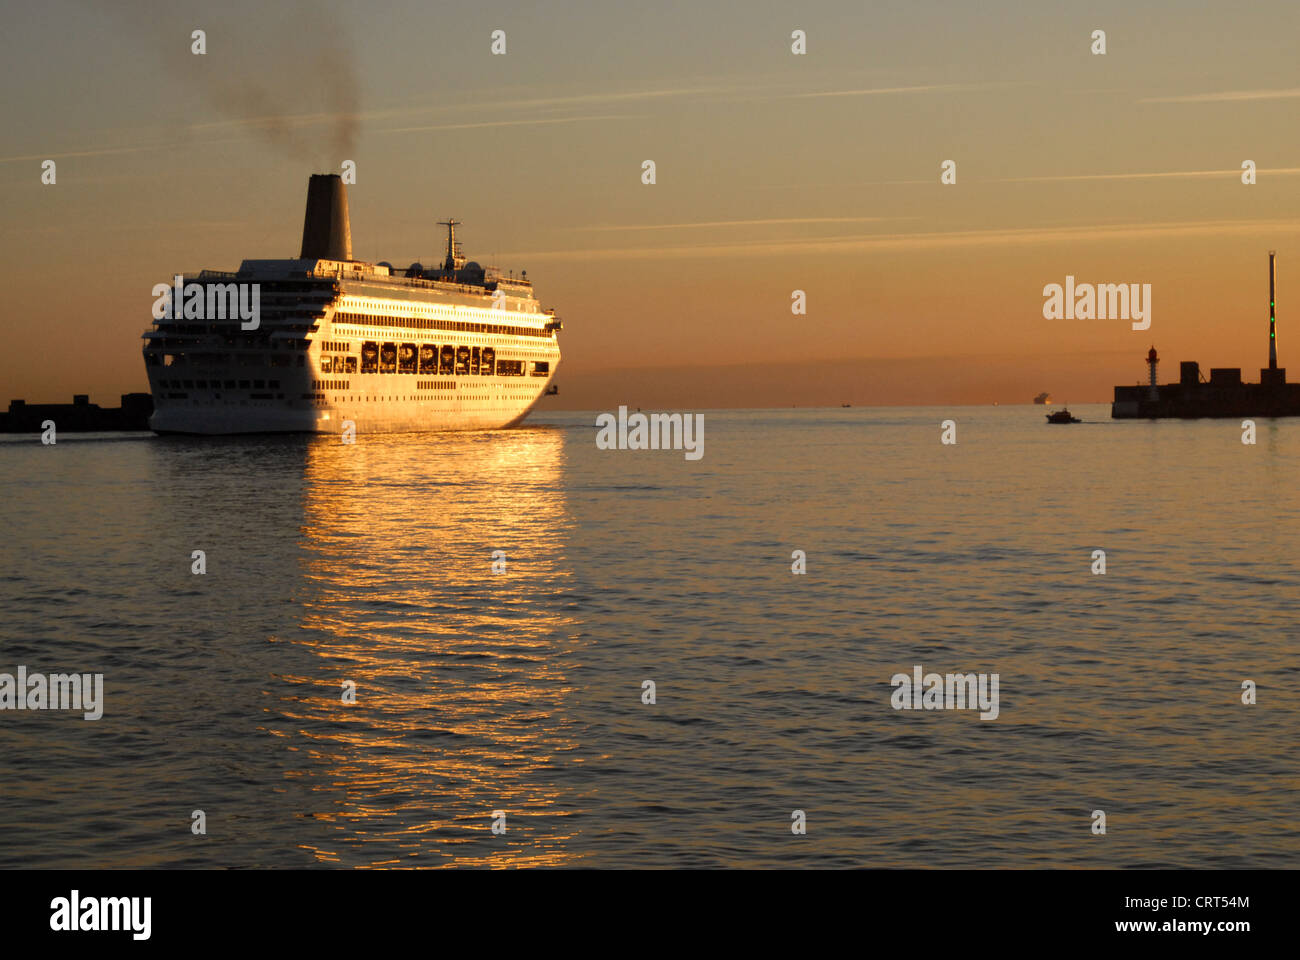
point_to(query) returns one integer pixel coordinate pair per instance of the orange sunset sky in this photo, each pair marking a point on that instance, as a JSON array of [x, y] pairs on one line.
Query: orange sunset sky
[[775, 172]]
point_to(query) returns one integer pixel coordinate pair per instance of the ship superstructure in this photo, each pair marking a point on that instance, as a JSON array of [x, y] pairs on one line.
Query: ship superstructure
[[338, 340]]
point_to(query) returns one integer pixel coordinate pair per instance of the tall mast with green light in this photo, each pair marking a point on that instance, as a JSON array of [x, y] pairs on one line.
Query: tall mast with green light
[[1272, 315]]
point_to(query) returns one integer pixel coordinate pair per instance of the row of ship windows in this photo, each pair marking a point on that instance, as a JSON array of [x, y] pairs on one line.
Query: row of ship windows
[[275, 385], [477, 361], [225, 359], [251, 396], [219, 384], [429, 358], [415, 323], [320, 397]]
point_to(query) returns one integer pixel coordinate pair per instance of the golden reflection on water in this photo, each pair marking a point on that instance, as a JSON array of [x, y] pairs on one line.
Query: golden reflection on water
[[461, 673]]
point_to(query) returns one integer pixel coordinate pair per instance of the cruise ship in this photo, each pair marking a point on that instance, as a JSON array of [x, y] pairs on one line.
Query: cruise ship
[[332, 341]]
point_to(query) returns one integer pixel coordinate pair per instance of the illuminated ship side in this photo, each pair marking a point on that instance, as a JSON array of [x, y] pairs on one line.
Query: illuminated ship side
[[339, 340]]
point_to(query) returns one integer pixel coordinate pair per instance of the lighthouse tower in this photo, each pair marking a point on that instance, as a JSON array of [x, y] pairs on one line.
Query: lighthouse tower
[[1153, 363]]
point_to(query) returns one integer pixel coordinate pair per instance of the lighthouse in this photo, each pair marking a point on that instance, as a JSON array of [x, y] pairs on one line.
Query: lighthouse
[[1223, 393]]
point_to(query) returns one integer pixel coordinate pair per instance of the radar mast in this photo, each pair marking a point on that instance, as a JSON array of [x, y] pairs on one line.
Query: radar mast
[[454, 260]]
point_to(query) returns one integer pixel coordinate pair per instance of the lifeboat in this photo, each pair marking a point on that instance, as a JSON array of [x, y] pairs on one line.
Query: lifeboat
[[428, 358]]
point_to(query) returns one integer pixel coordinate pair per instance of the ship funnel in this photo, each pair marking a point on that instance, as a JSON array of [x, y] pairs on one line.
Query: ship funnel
[[326, 233]]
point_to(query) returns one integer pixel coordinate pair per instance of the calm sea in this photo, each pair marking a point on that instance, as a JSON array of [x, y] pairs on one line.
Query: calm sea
[[521, 691]]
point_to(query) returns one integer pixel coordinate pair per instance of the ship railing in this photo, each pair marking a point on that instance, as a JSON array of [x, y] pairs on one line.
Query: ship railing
[[438, 285], [422, 283]]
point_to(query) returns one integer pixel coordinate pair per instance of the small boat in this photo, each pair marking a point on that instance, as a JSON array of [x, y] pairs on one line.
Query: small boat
[[1062, 416]]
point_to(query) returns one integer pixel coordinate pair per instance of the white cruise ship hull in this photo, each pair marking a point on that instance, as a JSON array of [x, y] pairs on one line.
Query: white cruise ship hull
[[381, 403]]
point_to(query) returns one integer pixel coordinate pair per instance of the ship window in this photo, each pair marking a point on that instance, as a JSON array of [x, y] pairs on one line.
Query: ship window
[[473, 361], [428, 358], [259, 384], [406, 355], [230, 384], [243, 384]]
